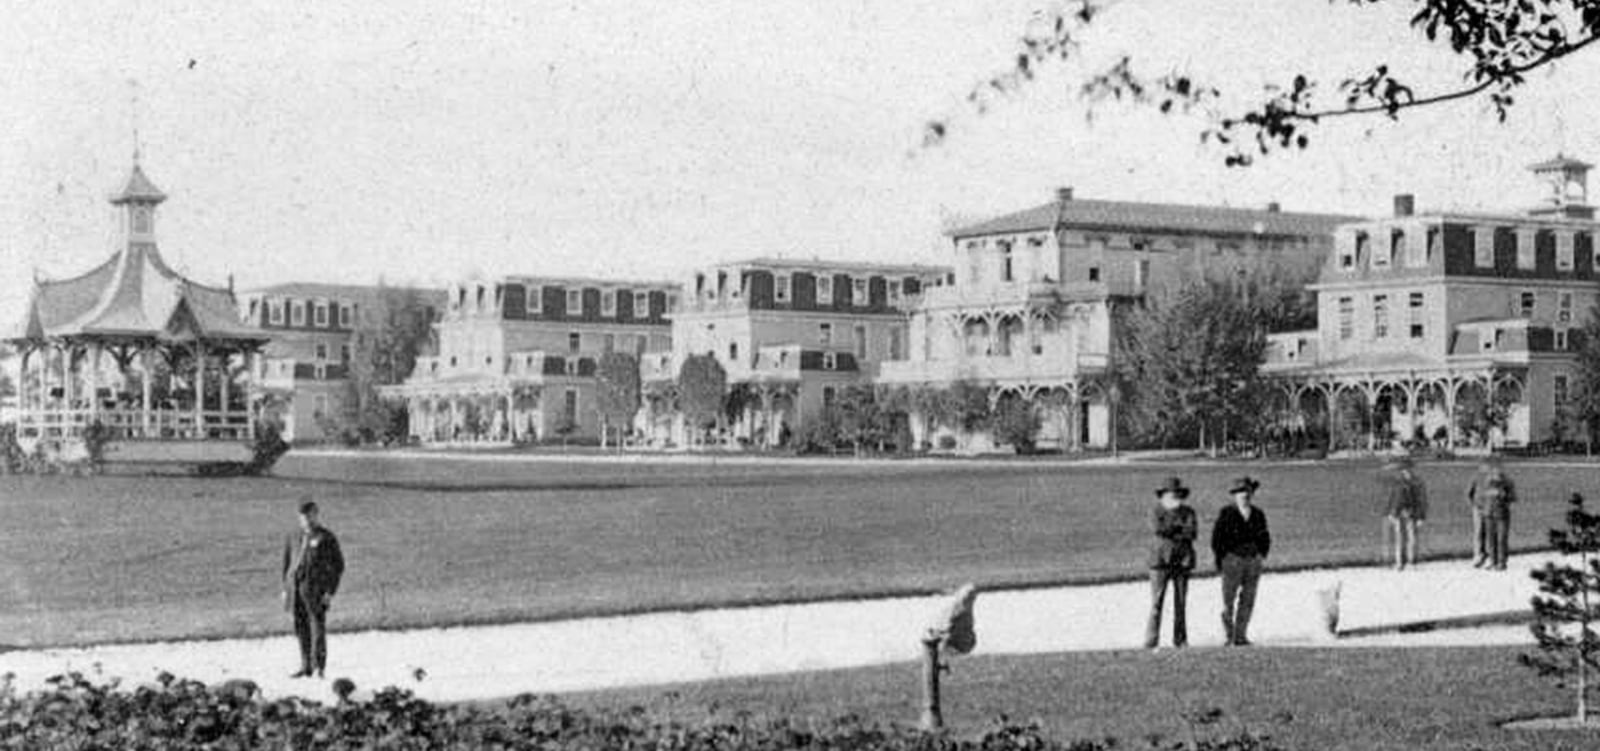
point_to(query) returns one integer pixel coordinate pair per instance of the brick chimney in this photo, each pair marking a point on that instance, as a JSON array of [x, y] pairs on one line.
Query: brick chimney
[[1405, 204], [1273, 207], [1064, 195]]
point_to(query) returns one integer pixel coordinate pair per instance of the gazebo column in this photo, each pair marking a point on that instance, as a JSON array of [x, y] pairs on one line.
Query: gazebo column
[[199, 388], [146, 372], [95, 352], [223, 387]]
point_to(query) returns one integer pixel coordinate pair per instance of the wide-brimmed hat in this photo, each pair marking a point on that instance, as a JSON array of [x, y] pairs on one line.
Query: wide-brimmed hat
[[1174, 486], [1246, 484]]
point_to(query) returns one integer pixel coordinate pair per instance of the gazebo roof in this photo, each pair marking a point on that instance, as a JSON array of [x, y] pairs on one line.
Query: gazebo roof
[[134, 294], [139, 188]]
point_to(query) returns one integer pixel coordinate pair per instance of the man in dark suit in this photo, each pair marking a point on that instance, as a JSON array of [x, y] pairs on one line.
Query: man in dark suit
[[1240, 541], [312, 567]]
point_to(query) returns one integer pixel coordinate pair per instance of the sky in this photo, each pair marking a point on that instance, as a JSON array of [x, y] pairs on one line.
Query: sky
[[348, 141]]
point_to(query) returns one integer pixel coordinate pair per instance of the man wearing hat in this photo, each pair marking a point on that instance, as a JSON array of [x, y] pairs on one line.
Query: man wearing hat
[[312, 567], [1240, 541], [1405, 508], [1171, 559]]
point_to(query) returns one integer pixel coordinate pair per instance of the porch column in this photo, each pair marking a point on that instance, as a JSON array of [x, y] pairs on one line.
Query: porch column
[[1450, 413], [455, 418], [223, 386], [1331, 396]]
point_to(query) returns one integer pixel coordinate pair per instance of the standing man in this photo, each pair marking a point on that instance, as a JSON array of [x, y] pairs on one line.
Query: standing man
[[1405, 508], [1171, 559], [1478, 501], [1240, 541], [312, 567], [1499, 493]]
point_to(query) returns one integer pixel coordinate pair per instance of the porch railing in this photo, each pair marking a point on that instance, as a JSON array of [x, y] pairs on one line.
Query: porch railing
[[133, 424]]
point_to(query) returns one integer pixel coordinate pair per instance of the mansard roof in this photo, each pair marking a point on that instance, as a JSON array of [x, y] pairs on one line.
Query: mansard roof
[[1156, 218], [1560, 162]]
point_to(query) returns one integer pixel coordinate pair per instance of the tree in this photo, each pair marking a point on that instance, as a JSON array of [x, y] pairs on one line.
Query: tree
[[1187, 364], [1498, 41], [859, 418], [1016, 423], [617, 390], [1583, 398], [1568, 604], [702, 386], [384, 346]]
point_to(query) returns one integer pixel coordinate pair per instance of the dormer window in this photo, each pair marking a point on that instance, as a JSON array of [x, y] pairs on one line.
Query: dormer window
[[780, 287], [574, 302], [297, 313], [824, 289], [1384, 252], [894, 291], [275, 312], [1483, 247], [321, 311], [535, 303], [858, 292], [1564, 251], [608, 303], [830, 361], [641, 304], [1006, 261], [1525, 249], [347, 315]]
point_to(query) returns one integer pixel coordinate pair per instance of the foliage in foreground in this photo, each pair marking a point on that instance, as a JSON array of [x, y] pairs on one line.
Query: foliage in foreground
[[1568, 606], [77, 713]]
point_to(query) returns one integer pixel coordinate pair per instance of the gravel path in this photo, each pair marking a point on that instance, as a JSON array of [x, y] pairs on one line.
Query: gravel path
[[496, 661]]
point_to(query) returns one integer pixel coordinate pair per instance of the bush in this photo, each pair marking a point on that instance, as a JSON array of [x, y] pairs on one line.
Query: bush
[[947, 442], [269, 447], [11, 453], [182, 715]]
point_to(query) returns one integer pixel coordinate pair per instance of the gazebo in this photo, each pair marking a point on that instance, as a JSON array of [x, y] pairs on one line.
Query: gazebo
[[135, 357]]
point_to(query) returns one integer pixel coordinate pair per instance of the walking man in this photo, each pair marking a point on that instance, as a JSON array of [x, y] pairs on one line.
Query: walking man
[[1478, 501], [312, 567], [1171, 559], [1405, 508], [1240, 541]]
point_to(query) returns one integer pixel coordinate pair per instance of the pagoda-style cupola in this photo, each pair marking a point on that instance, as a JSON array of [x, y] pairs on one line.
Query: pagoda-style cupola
[[138, 200]]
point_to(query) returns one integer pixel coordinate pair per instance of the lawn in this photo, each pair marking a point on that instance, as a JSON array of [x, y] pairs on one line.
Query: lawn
[[448, 541], [1323, 699]]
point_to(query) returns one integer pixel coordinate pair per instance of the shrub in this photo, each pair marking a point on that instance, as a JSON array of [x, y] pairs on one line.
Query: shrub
[[268, 448], [11, 453]]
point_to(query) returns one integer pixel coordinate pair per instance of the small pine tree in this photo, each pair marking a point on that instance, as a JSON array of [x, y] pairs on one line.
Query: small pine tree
[[1568, 604]]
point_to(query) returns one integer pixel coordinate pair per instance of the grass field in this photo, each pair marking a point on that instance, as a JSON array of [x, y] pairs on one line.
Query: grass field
[[447, 541], [1323, 699]]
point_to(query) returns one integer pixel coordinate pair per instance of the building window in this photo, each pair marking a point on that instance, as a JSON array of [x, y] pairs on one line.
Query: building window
[[1564, 308], [1347, 317], [1564, 248], [1363, 246], [1036, 258], [275, 312], [321, 314], [1561, 339], [608, 343], [641, 304], [535, 302], [827, 397], [780, 287], [1525, 304], [1006, 262], [1141, 274], [574, 302], [347, 315], [574, 342], [608, 303], [321, 351], [1416, 252], [1525, 247], [1094, 273], [1380, 316], [1558, 390], [894, 344], [824, 289], [830, 361], [344, 353], [975, 261], [569, 412], [1483, 247], [858, 292], [672, 303], [1417, 306], [733, 351], [894, 292], [297, 313], [1396, 249], [825, 334], [861, 342], [1347, 252]]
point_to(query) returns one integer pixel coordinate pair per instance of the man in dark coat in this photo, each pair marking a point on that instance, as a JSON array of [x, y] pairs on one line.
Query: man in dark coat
[[312, 567], [1240, 541], [1405, 503], [1171, 559]]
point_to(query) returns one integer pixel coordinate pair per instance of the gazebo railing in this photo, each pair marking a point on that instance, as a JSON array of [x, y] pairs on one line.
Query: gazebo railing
[[134, 424]]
